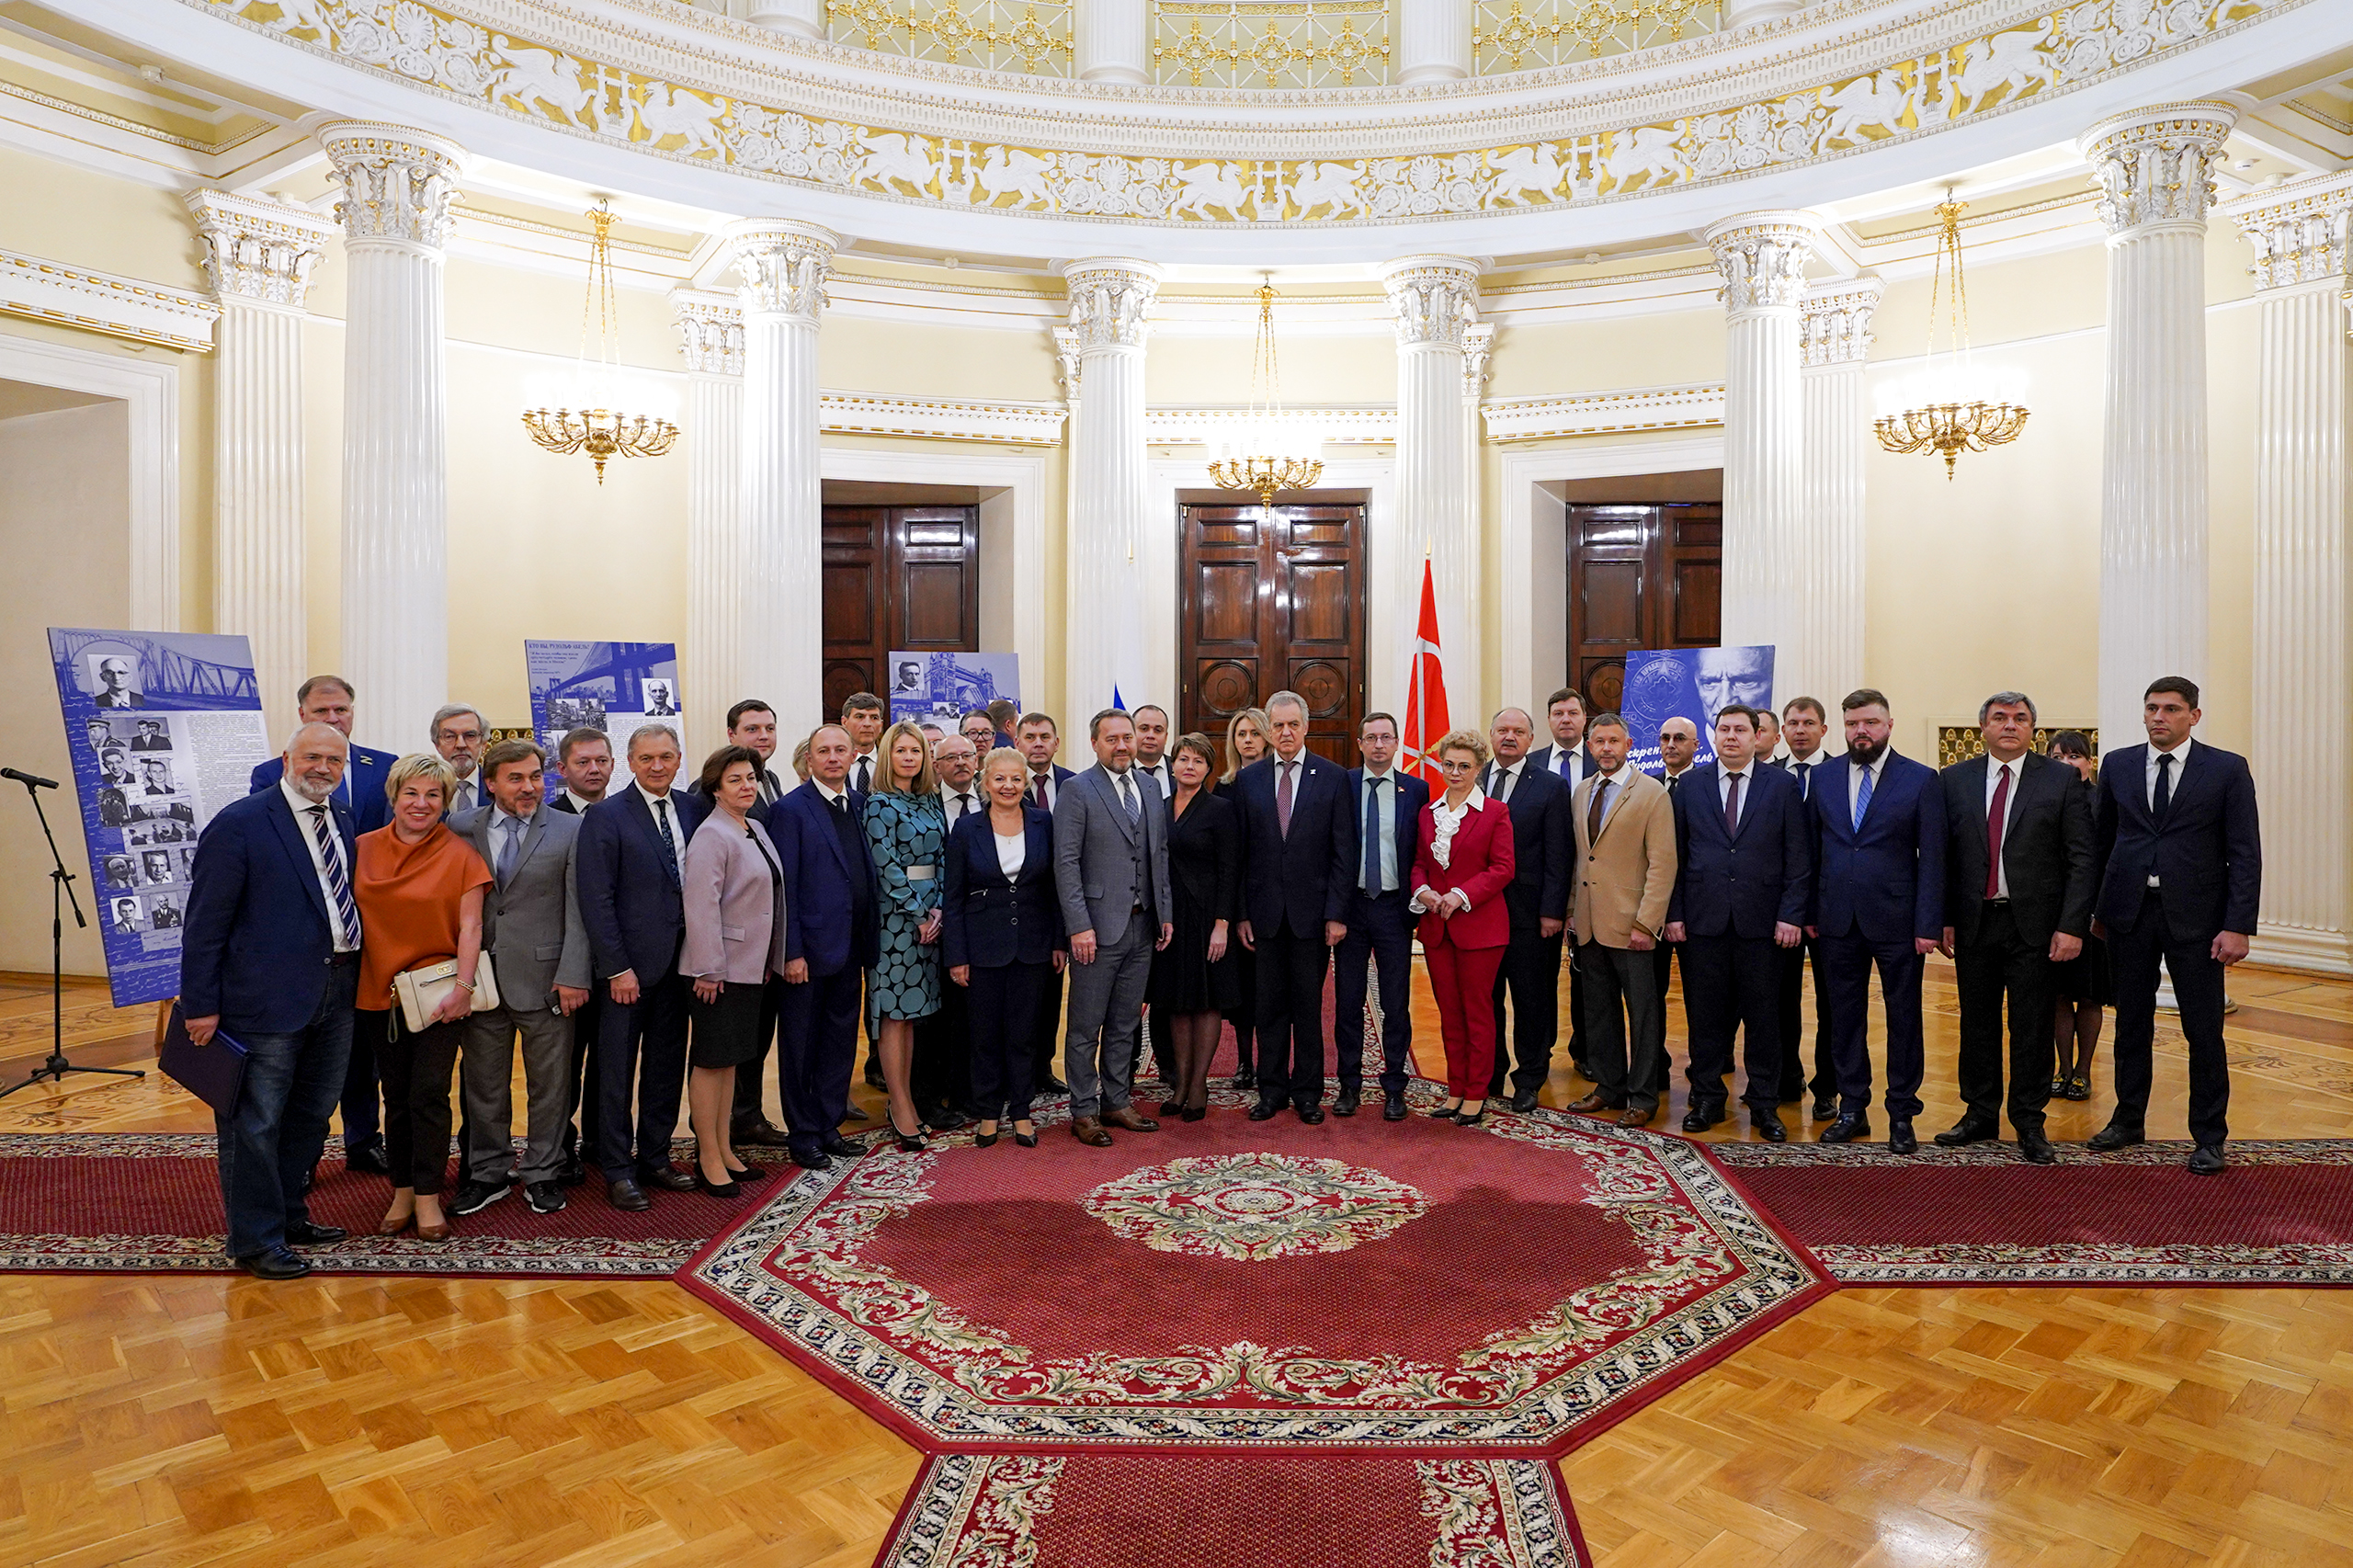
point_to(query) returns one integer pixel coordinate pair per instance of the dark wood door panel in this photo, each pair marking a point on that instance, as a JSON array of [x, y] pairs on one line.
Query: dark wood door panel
[[1640, 576], [896, 577], [1268, 602]]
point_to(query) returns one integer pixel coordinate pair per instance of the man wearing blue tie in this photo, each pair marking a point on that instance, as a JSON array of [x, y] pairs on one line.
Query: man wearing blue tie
[[1381, 931]]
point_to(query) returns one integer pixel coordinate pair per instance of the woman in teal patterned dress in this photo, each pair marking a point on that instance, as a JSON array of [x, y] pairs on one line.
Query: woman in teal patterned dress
[[907, 832]]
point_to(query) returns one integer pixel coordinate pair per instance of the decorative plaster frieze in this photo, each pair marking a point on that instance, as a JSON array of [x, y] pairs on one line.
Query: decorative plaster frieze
[[1835, 322], [1604, 414], [1434, 298], [2156, 165], [99, 302], [258, 250], [1762, 259], [783, 265], [1110, 301], [1011, 423], [1361, 426], [398, 184], [2302, 231], [711, 331]]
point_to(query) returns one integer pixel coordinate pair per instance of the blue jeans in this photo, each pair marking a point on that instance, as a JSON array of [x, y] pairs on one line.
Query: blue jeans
[[292, 1082]]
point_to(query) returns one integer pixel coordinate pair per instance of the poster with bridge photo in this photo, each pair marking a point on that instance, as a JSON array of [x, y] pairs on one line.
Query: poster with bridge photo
[[165, 728], [608, 686], [1694, 684], [947, 685]]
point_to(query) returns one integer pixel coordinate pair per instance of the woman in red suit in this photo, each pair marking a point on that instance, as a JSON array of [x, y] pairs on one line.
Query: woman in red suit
[[1460, 870]]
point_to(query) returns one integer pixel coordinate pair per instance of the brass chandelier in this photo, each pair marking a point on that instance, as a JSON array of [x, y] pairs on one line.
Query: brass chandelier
[[1269, 454], [602, 431], [1954, 416]]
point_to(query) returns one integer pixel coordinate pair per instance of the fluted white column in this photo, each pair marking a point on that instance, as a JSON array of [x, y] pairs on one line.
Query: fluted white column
[[711, 328], [1762, 256], [1433, 41], [2154, 167], [1110, 306], [397, 186], [795, 18], [1435, 300], [780, 593], [1478, 353], [2303, 234], [1740, 13], [1823, 656], [259, 255], [1113, 41]]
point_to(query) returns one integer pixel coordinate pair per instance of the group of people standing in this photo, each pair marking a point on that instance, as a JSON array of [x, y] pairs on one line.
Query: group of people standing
[[656, 941]]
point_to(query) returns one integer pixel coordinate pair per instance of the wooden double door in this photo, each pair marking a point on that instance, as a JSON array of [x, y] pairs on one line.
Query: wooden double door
[[896, 578], [1273, 599], [1639, 577]]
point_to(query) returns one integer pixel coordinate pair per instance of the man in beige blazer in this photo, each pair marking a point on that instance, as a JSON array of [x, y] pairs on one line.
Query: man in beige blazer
[[1625, 869]]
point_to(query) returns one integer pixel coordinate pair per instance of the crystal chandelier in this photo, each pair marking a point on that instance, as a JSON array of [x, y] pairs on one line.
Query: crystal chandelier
[[1954, 413], [596, 427], [1268, 454]]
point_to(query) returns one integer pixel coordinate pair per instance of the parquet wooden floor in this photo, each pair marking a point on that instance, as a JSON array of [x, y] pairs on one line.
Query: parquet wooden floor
[[183, 1421]]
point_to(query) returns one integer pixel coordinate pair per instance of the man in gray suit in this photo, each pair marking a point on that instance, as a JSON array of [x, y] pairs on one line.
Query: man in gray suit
[[536, 947], [1111, 872]]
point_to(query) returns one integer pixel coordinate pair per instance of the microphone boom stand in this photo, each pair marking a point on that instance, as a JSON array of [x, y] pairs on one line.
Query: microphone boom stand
[[60, 892]]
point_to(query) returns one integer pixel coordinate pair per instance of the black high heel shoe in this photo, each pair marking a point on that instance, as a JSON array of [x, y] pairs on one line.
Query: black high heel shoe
[[1194, 1113], [1027, 1139], [983, 1140], [1445, 1112], [710, 1189], [1472, 1120], [909, 1143]]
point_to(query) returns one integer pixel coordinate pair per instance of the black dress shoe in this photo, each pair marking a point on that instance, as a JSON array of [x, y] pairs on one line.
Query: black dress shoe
[[760, 1133], [710, 1189], [302, 1233], [274, 1263], [1968, 1129], [1346, 1102], [811, 1160], [545, 1197], [2035, 1149], [1825, 1109], [840, 1147], [1846, 1129], [2114, 1136], [1701, 1116], [572, 1172], [1899, 1137], [2206, 1160], [626, 1195], [369, 1157], [1311, 1114], [1769, 1127], [1524, 1101], [1263, 1110], [1244, 1078], [1050, 1084], [948, 1120], [670, 1178], [874, 1073], [1393, 1107]]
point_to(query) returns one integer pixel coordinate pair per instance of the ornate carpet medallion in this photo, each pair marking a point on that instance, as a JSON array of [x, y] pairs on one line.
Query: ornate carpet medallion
[[1252, 1206]]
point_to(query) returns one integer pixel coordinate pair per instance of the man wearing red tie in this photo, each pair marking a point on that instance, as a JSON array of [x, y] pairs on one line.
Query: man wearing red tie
[[2018, 901]]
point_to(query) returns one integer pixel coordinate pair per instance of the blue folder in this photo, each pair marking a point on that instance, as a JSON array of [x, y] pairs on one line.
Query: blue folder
[[213, 1072]]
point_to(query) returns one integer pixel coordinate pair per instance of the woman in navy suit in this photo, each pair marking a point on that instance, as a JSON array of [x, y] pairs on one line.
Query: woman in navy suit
[[1001, 926]]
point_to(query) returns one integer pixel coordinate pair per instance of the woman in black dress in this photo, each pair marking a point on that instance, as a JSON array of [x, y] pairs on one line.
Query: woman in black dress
[[2083, 984], [1194, 978], [1248, 736]]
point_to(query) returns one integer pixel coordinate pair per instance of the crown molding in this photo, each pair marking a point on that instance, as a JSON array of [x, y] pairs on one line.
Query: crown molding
[[101, 301], [1603, 414], [1360, 424], [941, 419]]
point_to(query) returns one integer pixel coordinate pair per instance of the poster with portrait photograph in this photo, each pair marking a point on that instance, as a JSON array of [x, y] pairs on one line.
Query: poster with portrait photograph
[[1694, 684], [611, 687], [943, 687], [165, 728]]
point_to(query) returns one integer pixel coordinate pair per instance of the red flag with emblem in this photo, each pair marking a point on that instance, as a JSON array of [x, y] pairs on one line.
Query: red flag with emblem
[[1425, 714]]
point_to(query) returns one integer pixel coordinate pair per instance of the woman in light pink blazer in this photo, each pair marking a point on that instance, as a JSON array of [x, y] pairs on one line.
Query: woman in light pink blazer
[[734, 892]]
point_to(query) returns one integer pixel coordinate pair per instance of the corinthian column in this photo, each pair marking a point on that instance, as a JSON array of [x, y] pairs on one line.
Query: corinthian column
[[1762, 256], [2154, 166], [259, 255], [1436, 301], [710, 327], [395, 213], [2303, 234], [780, 599], [1823, 656], [1110, 299]]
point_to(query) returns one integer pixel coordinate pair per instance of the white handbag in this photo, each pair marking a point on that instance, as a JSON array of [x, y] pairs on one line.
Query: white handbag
[[420, 990]]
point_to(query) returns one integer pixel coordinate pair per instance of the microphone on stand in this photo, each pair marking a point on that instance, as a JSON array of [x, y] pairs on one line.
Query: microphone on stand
[[30, 780]]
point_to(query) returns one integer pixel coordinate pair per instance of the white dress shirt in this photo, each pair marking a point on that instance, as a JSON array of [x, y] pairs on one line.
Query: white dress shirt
[[829, 793], [1995, 771], [1503, 779], [678, 827], [496, 839], [955, 810], [1387, 797], [2181, 756], [1801, 769], [302, 820], [1855, 782], [1012, 849], [1158, 773], [1748, 776], [1568, 762], [1044, 785], [468, 796], [867, 760], [580, 803]]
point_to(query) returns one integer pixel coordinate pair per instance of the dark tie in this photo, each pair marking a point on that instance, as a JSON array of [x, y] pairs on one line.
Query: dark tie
[[1500, 781], [1805, 786], [1037, 792], [513, 828], [1595, 812], [1128, 797], [1994, 816], [347, 911], [865, 781], [2164, 788], [963, 805], [1372, 834], [1732, 807], [661, 821], [841, 808], [1282, 799]]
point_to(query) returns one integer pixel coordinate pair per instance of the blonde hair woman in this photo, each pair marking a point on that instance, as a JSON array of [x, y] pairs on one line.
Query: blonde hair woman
[[1249, 736], [907, 830], [1464, 861]]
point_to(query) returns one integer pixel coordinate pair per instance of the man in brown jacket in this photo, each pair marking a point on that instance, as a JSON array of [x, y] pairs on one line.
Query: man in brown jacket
[[1625, 869]]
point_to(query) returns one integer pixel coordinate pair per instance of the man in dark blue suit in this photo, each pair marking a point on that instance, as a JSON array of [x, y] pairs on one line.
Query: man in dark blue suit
[[1389, 814], [1543, 846], [1745, 858], [1039, 738], [831, 937], [632, 846], [270, 954], [327, 700], [1298, 838], [1570, 760], [1879, 899], [2180, 871]]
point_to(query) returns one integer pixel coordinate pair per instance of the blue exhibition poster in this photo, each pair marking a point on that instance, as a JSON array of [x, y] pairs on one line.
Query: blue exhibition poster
[[608, 686], [1694, 684], [944, 686]]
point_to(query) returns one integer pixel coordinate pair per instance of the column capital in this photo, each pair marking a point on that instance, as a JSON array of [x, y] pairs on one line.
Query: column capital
[[2301, 229], [1762, 256], [2156, 165], [258, 250], [1835, 322], [1478, 347], [783, 265], [397, 183], [711, 331], [1067, 360], [1434, 298], [1110, 299]]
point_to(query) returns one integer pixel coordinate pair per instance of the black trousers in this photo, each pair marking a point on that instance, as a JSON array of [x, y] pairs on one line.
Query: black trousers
[[1245, 1017], [1002, 1008], [1291, 1016], [1625, 1027], [751, 1077], [817, 1048], [1381, 931], [1795, 1085], [2002, 965], [1733, 984], [1846, 963], [641, 1075], [1531, 973], [1046, 1030], [416, 1067], [362, 1124], [1662, 957], [2198, 990], [940, 1077], [1567, 947]]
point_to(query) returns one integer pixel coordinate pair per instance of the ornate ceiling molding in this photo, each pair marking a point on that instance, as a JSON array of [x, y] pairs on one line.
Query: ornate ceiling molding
[[937, 419], [2301, 232], [1604, 414], [99, 302], [2155, 166], [1359, 426]]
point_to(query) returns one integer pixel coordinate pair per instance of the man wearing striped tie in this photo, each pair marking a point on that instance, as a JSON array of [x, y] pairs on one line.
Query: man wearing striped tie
[[270, 958]]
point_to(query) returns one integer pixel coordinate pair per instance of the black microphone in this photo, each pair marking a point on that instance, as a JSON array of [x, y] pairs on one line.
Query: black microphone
[[31, 781]]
